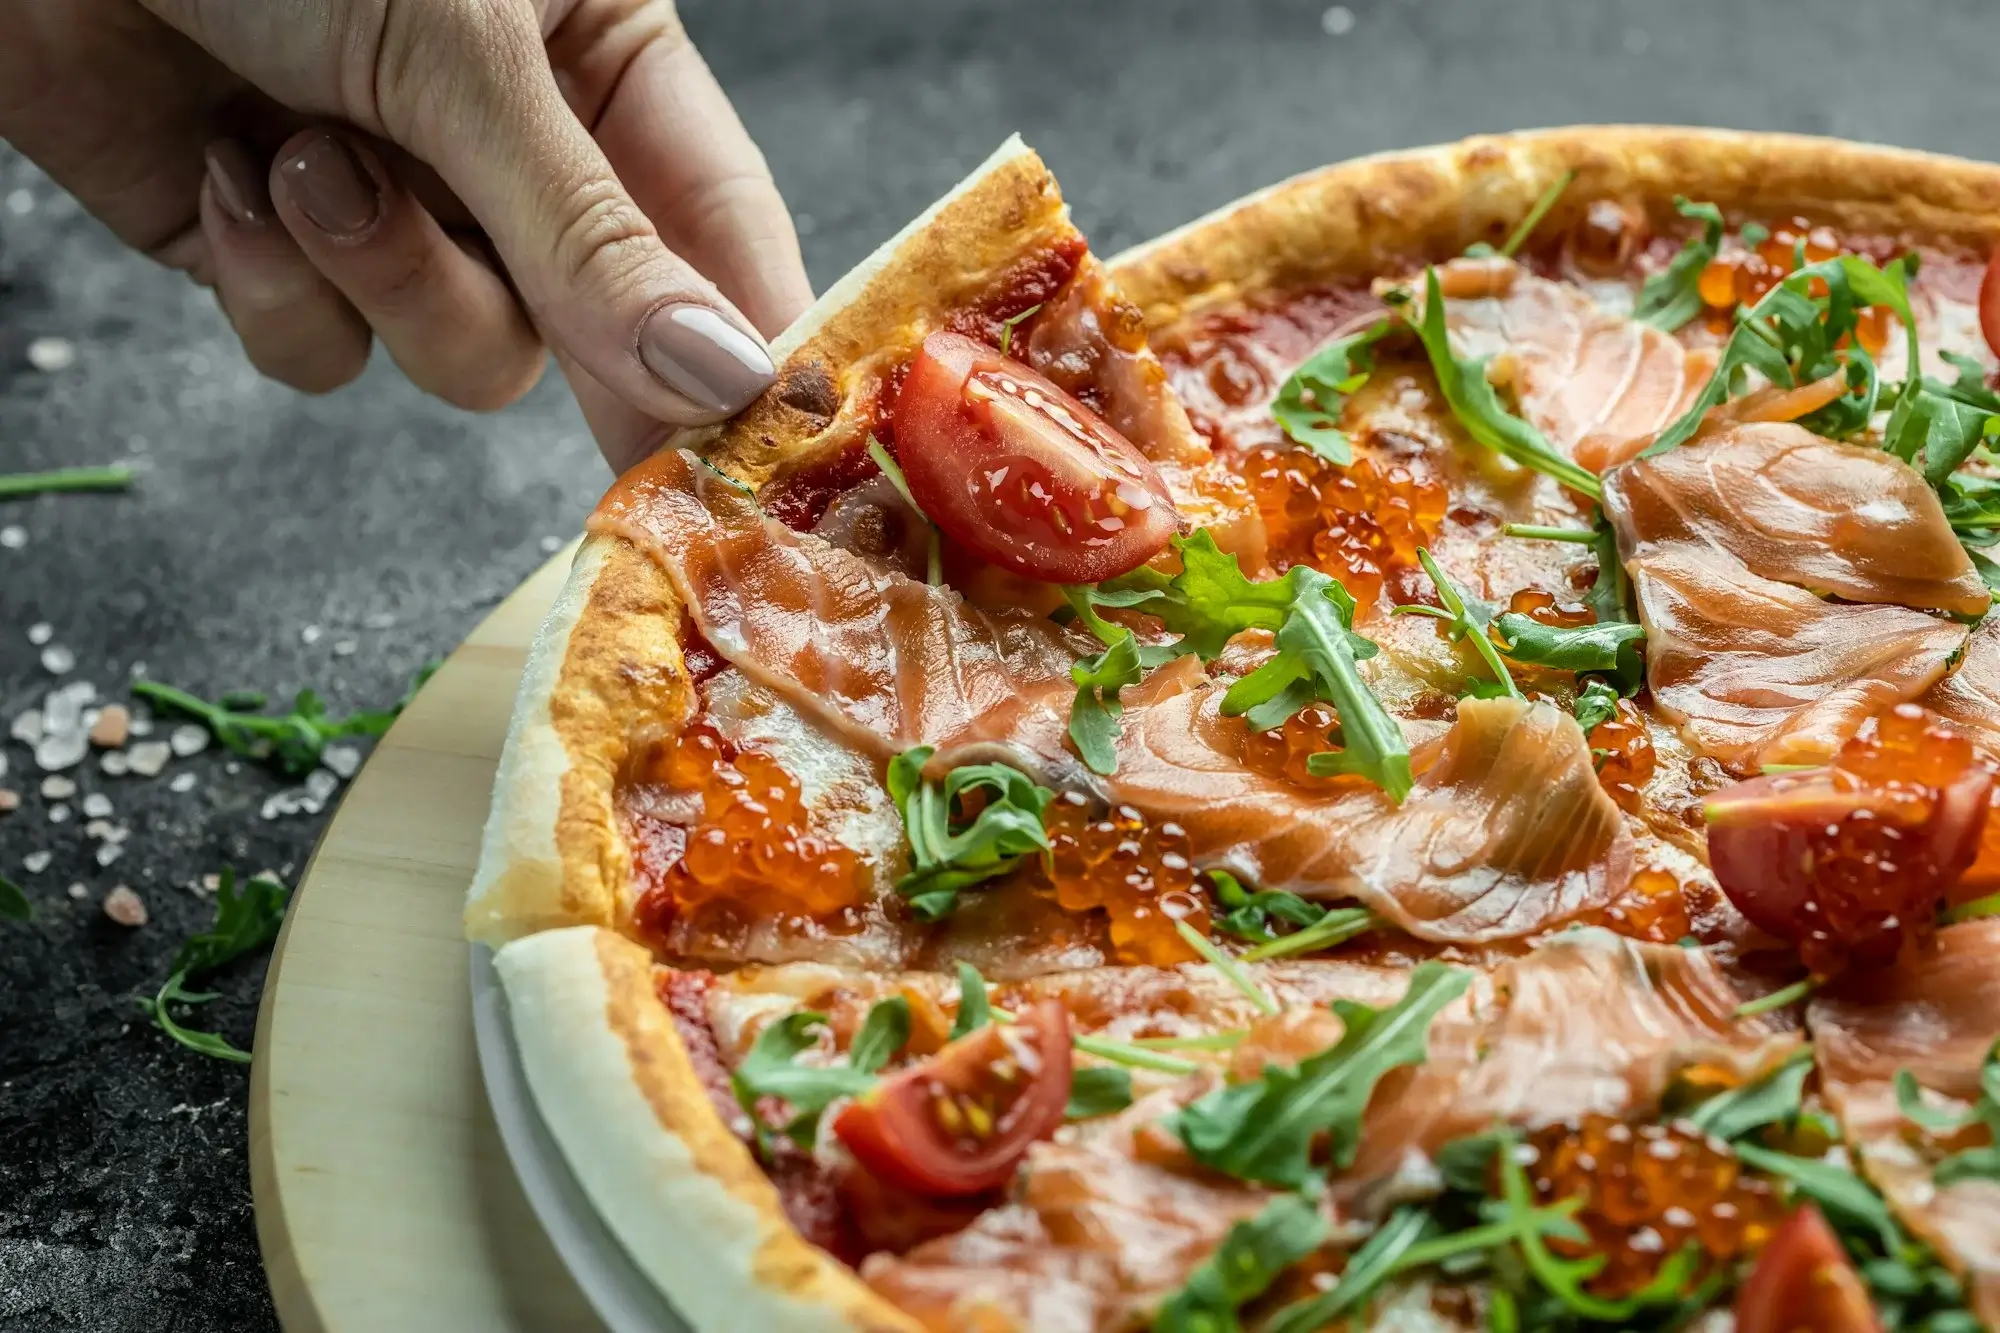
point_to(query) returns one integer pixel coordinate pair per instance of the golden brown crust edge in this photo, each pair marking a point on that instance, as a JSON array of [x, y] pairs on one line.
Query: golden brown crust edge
[[1384, 213], [615, 671]]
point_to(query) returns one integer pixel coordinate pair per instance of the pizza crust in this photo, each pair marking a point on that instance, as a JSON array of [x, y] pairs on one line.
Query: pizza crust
[[671, 1180], [606, 674]]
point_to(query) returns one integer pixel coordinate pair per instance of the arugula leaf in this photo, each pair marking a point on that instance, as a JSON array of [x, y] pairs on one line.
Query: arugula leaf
[[1008, 324], [1773, 1099], [1096, 1090], [245, 919], [1263, 1130], [934, 558], [1380, 1258], [20, 485], [1093, 714], [292, 742], [975, 1009], [771, 1069], [1672, 297], [1318, 658], [947, 853], [1596, 702], [1610, 596], [1981, 1163], [1309, 401], [1936, 1119], [14, 904], [1611, 648], [1250, 914], [1466, 619], [1978, 1163], [1473, 400], [1207, 603], [1231, 970], [1847, 1199], [1792, 338], [1526, 226], [1338, 926], [1249, 1259]]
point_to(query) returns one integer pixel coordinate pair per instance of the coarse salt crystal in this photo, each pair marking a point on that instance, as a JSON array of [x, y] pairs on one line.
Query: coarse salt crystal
[[79, 890], [109, 852], [188, 740], [115, 764], [550, 545], [346, 648], [344, 760], [182, 782], [50, 355], [310, 634], [58, 814], [97, 805], [112, 728], [62, 708], [36, 862], [57, 788], [148, 758], [41, 632], [10, 800], [379, 620], [66, 750], [96, 829], [125, 907], [58, 660], [321, 784], [27, 727]]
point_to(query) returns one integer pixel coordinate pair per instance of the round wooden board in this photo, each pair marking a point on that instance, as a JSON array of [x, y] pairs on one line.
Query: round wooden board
[[384, 1198]]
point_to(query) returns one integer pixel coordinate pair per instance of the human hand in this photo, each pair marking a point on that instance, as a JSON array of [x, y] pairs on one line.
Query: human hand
[[345, 169]]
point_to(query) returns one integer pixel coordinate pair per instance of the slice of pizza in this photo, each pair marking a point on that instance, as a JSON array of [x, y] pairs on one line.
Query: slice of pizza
[[1411, 755]]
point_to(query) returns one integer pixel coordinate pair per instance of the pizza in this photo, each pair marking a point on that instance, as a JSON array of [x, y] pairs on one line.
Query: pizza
[[1414, 754]]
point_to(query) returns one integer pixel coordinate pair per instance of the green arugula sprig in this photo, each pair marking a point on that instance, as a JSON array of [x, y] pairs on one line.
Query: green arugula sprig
[[1526, 226], [1250, 917], [1596, 702], [934, 557], [1265, 1130], [14, 904], [1096, 1090], [949, 852], [771, 1069], [1466, 620], [21, 485], [1474, 401], [244, 920], [1309, 402], [292, 742], [1207, 602], [1609, 648], [1978, 1163], [1094, 712], [1251, 1257], [1672, 297], [1777, 1098], [1610, 595], [1792, 338]]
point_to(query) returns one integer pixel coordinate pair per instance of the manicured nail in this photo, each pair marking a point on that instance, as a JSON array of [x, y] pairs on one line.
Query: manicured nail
[[238, 183], [331, 186], [703, 357]]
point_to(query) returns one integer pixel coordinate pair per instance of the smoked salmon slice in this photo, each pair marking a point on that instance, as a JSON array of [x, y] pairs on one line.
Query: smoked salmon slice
[[1969, 698], [1935, 1016], [1597, 384], [1834, 518], [1755, 671], [1508, 834]]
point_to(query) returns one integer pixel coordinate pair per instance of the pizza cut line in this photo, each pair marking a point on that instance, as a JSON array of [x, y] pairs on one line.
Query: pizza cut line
[[1413, 754]]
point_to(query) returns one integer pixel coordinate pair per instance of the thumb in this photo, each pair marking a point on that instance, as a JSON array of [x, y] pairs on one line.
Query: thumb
[[588, 262]]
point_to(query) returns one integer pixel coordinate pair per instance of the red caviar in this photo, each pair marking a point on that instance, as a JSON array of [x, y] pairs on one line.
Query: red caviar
[[1747, 277], [1136, 870], [1623, 747], [1653, 907], [1358, 523], [1649, 1191], [1540, 606], [754, 843], [1282, 751]]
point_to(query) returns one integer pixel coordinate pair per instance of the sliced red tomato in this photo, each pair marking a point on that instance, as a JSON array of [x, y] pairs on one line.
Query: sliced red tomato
[[1020, 473], [1803, 1280], [1989, 302], [959, 1123]]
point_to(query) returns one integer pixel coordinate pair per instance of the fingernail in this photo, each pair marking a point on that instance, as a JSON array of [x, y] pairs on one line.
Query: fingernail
[[331, 187], [703, 357], [238, 183]]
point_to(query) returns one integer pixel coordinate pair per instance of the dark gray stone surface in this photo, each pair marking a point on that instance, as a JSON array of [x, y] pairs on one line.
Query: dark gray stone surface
[[389, 523]]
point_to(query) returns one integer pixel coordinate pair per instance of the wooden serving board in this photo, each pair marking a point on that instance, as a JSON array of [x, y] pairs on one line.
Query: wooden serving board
[[384, 1198]]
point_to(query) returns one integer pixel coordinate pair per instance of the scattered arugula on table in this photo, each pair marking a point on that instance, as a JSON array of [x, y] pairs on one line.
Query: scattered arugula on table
[[1977, 1163], [1308, 403], [1265, 1130], [1465, 619], [949, 852], [245, 919], [294, 741], [772, 1068], [1251, 1257], [14, 904], [1672, 297], [1476, 403], [1792, 338], [21, 485]]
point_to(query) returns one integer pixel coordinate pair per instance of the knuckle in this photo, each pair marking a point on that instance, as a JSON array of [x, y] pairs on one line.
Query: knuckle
[[603, 237]]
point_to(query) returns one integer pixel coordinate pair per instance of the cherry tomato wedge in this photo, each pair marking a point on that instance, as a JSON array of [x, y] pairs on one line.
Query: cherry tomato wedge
[[1850, 861], [1989, 302], [1803, 1281], [958, 1123], [1020, 473]]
